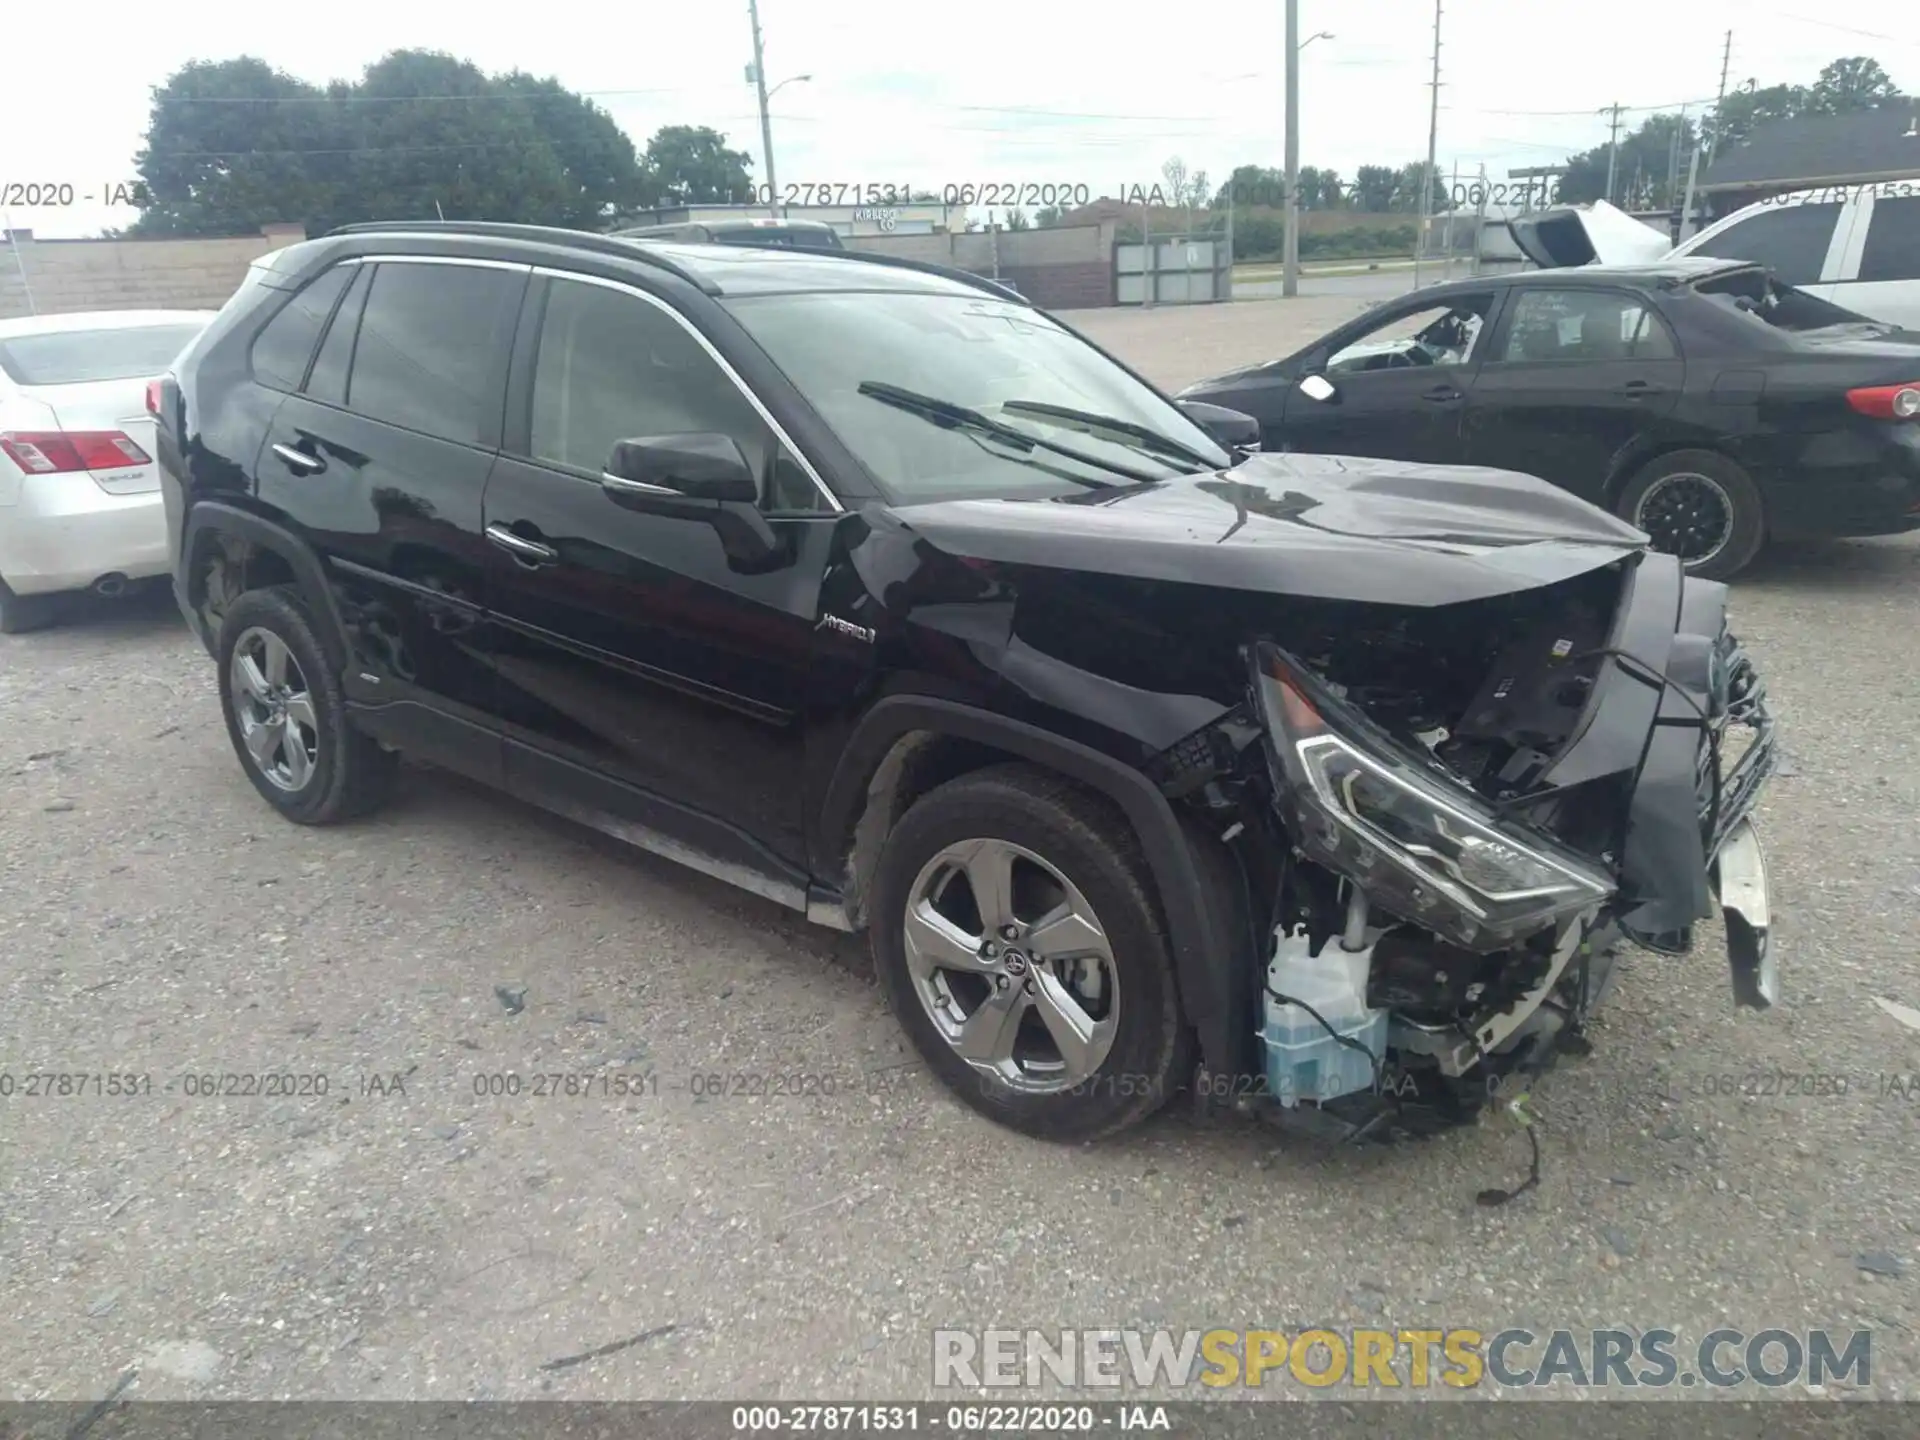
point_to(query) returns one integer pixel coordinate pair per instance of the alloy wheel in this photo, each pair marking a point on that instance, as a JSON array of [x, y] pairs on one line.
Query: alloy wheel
[[1686, 514], [274, 710], [1012, 966]]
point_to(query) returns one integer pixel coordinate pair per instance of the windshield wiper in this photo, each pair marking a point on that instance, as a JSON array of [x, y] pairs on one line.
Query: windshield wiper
[[1144, 436], [950, 416]]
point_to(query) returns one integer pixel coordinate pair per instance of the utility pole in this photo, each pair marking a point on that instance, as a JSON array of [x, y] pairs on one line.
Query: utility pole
[[1433, 139], [1613, 148], [1290, 248], [1693, 165], [1673, 159], [766, 125]]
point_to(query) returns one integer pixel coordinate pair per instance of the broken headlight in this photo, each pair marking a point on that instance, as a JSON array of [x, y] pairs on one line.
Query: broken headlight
[[1418, 843]]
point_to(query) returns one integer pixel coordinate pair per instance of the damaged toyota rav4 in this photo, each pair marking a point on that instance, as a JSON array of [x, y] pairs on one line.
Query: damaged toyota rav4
[[870, 588]]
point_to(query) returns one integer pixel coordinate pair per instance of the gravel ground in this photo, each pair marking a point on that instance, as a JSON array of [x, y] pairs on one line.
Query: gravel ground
[[405, 1236]]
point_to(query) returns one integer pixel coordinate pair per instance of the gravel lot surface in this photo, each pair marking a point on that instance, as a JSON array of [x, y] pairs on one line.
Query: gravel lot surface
[[404, 1236]]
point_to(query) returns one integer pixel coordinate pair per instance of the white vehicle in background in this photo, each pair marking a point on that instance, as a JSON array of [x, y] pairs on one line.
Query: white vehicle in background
[[1857, 246], [79, 490]]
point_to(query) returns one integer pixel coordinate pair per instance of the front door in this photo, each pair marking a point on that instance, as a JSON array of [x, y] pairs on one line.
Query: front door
[[646, 675], [1572, 379], [380, 459], [1399, 381]]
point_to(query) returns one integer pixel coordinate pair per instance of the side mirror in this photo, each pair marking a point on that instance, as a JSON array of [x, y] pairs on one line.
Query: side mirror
[[1231, 430], [700, 466], [1318, 387], [700, 476]]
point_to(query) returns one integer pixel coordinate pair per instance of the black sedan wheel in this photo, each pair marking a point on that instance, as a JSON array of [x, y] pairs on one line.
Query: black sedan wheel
[[1701, 507]]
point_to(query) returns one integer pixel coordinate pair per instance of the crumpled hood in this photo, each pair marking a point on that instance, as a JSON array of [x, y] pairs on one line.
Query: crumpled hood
[[1334, 526]]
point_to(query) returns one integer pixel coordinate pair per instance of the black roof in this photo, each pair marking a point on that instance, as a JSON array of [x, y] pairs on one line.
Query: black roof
[[1681, 271], [1823, 150], [719, 269]]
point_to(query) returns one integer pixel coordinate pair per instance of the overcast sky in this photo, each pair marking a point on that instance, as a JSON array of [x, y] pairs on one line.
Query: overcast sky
[[1019, 90]]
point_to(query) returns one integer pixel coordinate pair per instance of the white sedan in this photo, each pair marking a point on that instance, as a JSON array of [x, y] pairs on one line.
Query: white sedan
[[79, 490]]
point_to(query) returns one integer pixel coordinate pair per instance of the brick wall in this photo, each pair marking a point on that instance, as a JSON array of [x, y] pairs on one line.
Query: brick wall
[[70, 275], [1058, 267]]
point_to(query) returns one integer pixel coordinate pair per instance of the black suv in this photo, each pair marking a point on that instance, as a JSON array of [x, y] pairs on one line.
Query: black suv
[[873, 590]]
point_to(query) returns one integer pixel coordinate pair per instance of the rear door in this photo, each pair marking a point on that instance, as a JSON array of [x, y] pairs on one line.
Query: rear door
[[1572, 378], [380, 459], [1400, 380], [1881, 279]]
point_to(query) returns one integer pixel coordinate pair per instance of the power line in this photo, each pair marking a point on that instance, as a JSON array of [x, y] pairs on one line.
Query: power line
[[1583, 114]]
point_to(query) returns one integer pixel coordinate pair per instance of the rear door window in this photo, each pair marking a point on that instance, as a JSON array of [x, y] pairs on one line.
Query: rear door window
[[328, 382], [1892, 251], [282, 350], [1791, 240], [431, 351]]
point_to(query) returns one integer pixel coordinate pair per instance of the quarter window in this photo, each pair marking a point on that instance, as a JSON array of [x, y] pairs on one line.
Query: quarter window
[[282, 350], [431, 347], [1790, 240]]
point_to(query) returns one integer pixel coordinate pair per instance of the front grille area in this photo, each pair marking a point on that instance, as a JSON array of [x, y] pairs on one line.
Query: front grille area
[[1740, 738]]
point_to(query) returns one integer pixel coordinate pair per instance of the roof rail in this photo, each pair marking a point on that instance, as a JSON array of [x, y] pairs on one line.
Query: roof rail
[[540, 234], [928, 267]]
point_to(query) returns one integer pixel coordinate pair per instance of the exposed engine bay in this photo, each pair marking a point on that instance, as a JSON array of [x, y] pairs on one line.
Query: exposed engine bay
[[1457, 811]]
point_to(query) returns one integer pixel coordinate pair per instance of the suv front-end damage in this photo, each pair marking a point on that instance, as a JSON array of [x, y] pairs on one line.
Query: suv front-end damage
[[1451, 848]]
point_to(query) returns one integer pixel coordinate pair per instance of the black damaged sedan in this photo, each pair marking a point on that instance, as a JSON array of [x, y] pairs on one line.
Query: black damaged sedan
[[1701, 400]]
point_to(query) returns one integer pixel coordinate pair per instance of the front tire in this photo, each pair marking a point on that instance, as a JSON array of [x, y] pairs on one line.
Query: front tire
[[1015, 934], [287, 717], [1700, 506]]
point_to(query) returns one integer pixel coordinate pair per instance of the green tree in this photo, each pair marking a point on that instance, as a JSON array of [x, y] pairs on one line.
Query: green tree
[[1048, 215], [1849, 84], [1376, 188], [233, 145], [1016, 219], [691, 165], [1648, 152], [1253, 185], [433, 137], [1406, 189], [604, 173]]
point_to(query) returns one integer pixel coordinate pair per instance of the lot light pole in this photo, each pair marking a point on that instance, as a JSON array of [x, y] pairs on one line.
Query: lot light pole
[[1290, 250]]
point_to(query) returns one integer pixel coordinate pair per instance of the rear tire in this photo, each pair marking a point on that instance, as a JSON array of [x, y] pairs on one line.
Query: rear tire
[[1701, 506], [21, 613], [1072, 1025], [287, 716]]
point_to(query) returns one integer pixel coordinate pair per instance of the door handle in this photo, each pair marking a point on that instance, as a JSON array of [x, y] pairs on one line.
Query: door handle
[[298, 460], [1440, 394], [530, 553], [1635, 389]]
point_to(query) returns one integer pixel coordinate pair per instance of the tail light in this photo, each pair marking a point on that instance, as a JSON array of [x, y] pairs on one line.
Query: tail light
[[1888, 402], [53, 452]]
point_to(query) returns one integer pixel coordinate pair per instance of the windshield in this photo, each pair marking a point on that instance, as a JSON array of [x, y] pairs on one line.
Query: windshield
[[76, 357], [1007, 363]]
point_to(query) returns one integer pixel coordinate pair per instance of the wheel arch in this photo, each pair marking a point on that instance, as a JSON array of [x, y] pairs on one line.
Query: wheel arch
[[907, 745], [1637, 455], [271, 555]]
